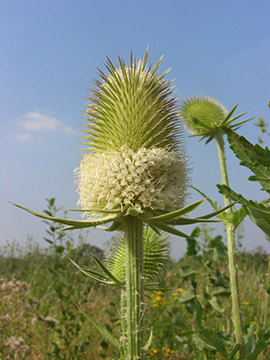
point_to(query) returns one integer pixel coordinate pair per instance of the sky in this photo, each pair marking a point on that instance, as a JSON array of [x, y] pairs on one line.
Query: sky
[[50, 52]]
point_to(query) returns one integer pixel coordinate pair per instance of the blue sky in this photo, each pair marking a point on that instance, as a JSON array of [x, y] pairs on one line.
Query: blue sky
[[50, 51]]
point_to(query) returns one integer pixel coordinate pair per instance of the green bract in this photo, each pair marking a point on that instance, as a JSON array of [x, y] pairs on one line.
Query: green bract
[[156, 257]]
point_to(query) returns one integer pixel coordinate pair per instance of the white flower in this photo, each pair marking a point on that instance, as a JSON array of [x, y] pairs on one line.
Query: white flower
[[147, 179]]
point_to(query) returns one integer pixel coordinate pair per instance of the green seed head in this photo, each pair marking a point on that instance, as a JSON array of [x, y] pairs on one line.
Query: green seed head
[[206, 117], [203, 115], [132, 106]]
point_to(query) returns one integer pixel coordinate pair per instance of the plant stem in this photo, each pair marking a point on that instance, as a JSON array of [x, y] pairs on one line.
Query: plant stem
[[267, 285], [236, 311], [133, 232]]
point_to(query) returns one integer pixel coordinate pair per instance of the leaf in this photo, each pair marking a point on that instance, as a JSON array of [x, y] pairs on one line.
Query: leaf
[[235, 218], [186, 271], [59, 249], [74, 224], [214, 302], [258, 212], [178, 213], [94, 275], [192, 247], [103, 331], [149, 341], [250, 338], [252, 156], [209, 339], [167, 228], [196, 232], [106, 271], [186, 296]]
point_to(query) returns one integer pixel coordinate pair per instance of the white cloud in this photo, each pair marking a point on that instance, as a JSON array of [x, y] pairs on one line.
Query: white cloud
[[24, 137], [35, 121], [68, 130]]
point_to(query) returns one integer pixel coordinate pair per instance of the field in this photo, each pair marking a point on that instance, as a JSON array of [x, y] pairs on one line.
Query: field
[[40, 292]]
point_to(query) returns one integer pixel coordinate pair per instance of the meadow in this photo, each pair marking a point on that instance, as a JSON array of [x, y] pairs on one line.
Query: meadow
[[40, 288], [211, 304]]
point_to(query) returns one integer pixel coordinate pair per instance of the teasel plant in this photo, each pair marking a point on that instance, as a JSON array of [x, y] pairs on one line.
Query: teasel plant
[[208, 119], [133, 178]]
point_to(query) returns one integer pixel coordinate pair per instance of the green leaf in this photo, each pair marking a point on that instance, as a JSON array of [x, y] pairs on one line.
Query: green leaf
[[258, 212], [252, 156], [178, 213], [250, 338], [116, 226], [59, 249], [186, 296], [149, 341], [196, 233], [192, 247], [186, 271], [94, 275], [214, 302], [209, 339], [167, 228], [74, 224], [106, 271], [103, 331], [235, 218]]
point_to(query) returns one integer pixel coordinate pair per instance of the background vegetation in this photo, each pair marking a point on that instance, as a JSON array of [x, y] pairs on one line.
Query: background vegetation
[[38, 289]]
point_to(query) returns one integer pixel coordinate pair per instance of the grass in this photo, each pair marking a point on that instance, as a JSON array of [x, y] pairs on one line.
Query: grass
[[38, 318]]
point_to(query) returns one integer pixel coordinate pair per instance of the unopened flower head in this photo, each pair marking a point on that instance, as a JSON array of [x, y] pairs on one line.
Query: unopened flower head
[[203, 115], [146, 179]]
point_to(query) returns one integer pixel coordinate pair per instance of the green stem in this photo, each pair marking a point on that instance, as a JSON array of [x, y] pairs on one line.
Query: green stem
[[133, 231], [236, 311], [267, 285]]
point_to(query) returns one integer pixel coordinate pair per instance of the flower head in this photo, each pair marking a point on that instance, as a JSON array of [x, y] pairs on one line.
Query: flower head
[[135, 160], [205, 117], [146, 179]]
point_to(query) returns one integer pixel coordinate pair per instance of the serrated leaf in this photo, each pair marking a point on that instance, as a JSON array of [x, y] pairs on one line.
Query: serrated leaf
[[258, 212], [252, 156]]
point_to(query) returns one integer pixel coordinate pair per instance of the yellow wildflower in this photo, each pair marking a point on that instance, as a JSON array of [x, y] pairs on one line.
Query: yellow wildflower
[[152, 351], [157, 299]]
